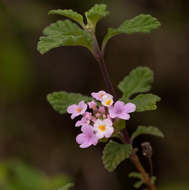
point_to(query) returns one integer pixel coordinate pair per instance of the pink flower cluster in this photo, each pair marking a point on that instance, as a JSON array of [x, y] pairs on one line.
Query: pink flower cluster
[[97, 121]]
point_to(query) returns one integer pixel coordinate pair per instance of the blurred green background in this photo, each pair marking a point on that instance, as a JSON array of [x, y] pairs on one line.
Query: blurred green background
[[31, 131]]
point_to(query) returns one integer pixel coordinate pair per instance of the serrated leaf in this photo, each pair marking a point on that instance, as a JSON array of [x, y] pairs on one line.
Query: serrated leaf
[[61, 100], [138, 80], [96, 13], [142, 130], [145, 102], [64, 33], [70, 14], [66, 187], [114, 153], [141, 23]]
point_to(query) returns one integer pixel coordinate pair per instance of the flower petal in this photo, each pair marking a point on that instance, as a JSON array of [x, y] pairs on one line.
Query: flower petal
[[85, 145], [130, 107], [81, 138], [124, 116], [72, 108], [109, 132]]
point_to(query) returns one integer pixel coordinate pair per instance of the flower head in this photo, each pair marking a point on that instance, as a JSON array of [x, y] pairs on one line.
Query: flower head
[[77, 110], [87, 138], [103, 128], [121, 110]]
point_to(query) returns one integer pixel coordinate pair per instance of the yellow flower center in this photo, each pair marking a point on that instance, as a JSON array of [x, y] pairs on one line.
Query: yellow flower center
[[108, 102], [102, 128], [78, 109]]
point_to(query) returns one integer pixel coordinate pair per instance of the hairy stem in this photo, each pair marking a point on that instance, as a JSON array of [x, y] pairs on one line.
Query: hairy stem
[[99, 56]]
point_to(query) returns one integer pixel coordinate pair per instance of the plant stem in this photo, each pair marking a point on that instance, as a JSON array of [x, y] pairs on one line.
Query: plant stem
[[147, 180], [99, 56]]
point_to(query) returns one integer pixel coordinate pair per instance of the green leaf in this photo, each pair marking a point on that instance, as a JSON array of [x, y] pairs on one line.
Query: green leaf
[[145, 102], [138, 80], [114, 153], [138, 184], [142, 130], [61, 100], [64, 33], [96, 13], [67, 186], [153, 179], [120, 124], [141, 23], [135, 175], [70, 14]]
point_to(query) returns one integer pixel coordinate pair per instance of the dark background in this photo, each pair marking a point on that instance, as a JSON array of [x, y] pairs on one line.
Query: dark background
[[32, 131]]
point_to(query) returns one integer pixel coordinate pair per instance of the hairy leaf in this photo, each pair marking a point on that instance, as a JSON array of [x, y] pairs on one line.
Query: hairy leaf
[[145, 102], [70, 14], [114, 153], [96, 13], [142, 130], [141, 23], [64, 33], [61, 100], [138, 80]]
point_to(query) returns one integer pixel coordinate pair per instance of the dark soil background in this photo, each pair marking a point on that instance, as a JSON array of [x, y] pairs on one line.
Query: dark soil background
[[32, 131]]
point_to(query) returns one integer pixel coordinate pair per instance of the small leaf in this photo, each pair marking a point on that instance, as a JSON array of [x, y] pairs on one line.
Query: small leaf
[[153, 179], [142, 130], [64, 33], [135, 175], [145, 102], [138, 184], [66, 187], [70, 14], [138, 176], [96, 13], [141, 23], [61, 100], [114, 153], [138, 80]]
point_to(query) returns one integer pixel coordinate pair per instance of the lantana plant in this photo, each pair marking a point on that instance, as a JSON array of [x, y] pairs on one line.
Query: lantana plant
[[102, 116]]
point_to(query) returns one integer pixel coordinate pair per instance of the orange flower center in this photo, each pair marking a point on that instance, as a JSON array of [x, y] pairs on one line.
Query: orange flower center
[[78, 109], [108, 102], [102, 128]]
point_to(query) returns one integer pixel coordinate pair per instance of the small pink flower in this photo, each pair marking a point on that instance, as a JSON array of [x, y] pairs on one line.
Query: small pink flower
[[102, 110], [77, 110], [99, 95], [103, 128], [87, 138], [87, 117], [107, 100], [92, 105], [121, 110]]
